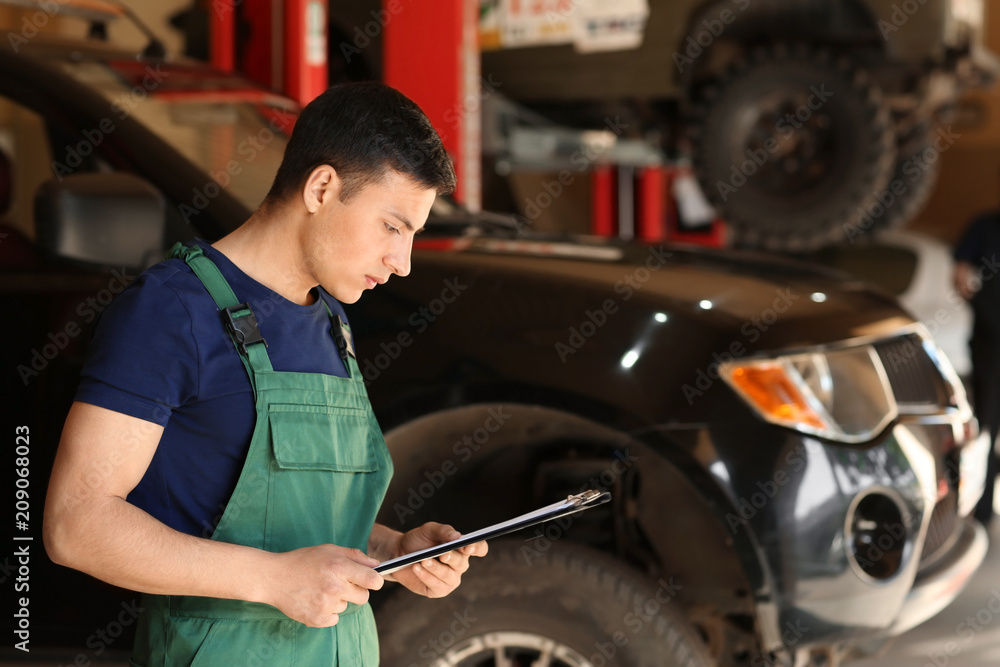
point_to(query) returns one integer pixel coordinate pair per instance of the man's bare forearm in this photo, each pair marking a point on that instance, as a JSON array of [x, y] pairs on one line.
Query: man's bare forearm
[[119, 543]]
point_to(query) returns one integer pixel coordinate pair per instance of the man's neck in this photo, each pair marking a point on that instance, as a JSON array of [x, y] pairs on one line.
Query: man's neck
[[270, 253]]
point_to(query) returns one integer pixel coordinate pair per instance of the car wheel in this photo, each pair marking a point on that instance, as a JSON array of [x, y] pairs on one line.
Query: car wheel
[[914, 176], [789, 144], [565, 606]]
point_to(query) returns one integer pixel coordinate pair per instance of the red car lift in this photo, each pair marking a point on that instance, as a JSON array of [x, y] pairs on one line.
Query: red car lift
[[431, 53], [301, 72]]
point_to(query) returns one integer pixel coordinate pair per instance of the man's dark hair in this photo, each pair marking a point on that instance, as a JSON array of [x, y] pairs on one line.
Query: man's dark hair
[[362, 130]]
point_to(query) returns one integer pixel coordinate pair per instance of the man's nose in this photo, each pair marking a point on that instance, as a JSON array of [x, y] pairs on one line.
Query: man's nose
[[399, 261]]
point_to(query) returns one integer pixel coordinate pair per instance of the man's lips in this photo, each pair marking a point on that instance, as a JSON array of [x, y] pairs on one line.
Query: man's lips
[[372, 282]]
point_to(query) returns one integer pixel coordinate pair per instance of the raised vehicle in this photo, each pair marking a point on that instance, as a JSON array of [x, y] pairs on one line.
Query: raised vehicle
[[798, 114]]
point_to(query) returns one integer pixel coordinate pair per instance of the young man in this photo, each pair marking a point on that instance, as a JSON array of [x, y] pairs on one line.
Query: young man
[[222, 456]]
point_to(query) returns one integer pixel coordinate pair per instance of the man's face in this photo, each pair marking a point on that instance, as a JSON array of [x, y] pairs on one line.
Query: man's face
[[355, 246]]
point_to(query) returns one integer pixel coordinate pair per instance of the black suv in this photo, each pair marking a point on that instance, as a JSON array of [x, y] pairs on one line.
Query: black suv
[[791, 459]]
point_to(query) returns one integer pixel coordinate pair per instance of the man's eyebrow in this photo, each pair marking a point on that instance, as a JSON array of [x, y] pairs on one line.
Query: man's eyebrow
[[402, 219]]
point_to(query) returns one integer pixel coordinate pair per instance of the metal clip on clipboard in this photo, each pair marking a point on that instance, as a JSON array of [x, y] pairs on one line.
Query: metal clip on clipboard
[[574, 503]]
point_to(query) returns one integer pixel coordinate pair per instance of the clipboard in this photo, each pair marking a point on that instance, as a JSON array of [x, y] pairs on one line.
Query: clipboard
[[572, 504]]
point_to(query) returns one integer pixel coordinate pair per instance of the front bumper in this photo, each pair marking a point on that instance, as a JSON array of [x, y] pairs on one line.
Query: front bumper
[[935, 588], [819, 592]]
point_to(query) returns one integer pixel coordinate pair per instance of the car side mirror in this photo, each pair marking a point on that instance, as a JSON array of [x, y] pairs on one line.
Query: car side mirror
[[109, 219]]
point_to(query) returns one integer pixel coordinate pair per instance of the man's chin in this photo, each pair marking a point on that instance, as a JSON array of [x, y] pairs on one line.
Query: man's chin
[[346, 296]]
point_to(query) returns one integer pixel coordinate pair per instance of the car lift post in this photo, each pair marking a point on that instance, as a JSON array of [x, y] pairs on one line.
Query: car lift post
[[431, 54], [222, 37], [294, 29], [651, 213], [628, 201], [306, 71]]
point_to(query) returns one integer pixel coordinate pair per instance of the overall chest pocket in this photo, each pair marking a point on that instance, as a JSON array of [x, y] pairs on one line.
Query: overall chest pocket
[[319, 437], [325, 479]]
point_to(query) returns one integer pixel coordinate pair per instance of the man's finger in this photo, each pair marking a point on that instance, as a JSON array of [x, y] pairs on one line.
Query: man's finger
[[476, 549], [441, 532], [366, 578], [361, 558], [353, 593]]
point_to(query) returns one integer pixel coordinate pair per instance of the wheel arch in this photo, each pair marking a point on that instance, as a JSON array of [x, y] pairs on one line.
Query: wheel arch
[[525, 455]]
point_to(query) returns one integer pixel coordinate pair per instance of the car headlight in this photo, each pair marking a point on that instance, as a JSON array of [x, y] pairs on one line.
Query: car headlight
[[839, 394]]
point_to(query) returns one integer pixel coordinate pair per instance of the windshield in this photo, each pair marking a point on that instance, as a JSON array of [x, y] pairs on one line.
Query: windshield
[[235, 132]]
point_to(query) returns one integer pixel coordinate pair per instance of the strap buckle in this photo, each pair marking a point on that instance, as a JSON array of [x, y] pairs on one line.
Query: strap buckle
[[343, 337], [241, 324]]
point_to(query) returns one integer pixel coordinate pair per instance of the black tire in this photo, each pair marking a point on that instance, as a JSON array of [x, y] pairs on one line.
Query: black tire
[[918, 163], [572, 604], [814, 136]]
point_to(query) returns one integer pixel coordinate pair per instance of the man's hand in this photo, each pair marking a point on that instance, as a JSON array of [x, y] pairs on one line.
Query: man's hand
[[435, 577], [313, 585], [967, 280]]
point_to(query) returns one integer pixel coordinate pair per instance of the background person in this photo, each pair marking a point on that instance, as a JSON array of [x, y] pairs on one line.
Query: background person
[[976, 255]]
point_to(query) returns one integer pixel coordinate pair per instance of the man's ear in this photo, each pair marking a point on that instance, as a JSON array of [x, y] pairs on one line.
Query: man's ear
[[322, 187]]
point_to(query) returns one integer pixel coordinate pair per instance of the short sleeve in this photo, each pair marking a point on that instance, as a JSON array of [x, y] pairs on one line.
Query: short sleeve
[[143, 359]]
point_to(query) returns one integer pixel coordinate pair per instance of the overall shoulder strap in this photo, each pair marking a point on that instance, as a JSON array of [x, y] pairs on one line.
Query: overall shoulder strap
[[341, 333], [238, 318]]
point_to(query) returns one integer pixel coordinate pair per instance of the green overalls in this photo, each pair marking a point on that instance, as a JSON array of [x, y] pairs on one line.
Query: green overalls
[[316, 473]]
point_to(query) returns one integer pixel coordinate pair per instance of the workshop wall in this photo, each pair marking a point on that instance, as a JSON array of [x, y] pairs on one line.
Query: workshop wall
[[969, 182]]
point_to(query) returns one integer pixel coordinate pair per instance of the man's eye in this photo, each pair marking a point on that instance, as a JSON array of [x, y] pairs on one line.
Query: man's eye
[[389, 228]]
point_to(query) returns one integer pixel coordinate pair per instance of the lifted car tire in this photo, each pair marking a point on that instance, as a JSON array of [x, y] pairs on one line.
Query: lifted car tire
[[918, 163], [789, 144], [538, 602]]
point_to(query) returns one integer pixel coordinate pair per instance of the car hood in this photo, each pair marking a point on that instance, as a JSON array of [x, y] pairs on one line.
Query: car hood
[[798, 304]]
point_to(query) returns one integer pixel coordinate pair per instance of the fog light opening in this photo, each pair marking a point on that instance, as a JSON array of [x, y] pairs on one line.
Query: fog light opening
[[877, 536]]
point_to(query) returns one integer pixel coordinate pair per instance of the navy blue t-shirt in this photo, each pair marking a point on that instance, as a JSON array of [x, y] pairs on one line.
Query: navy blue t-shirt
[[161, 353]]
